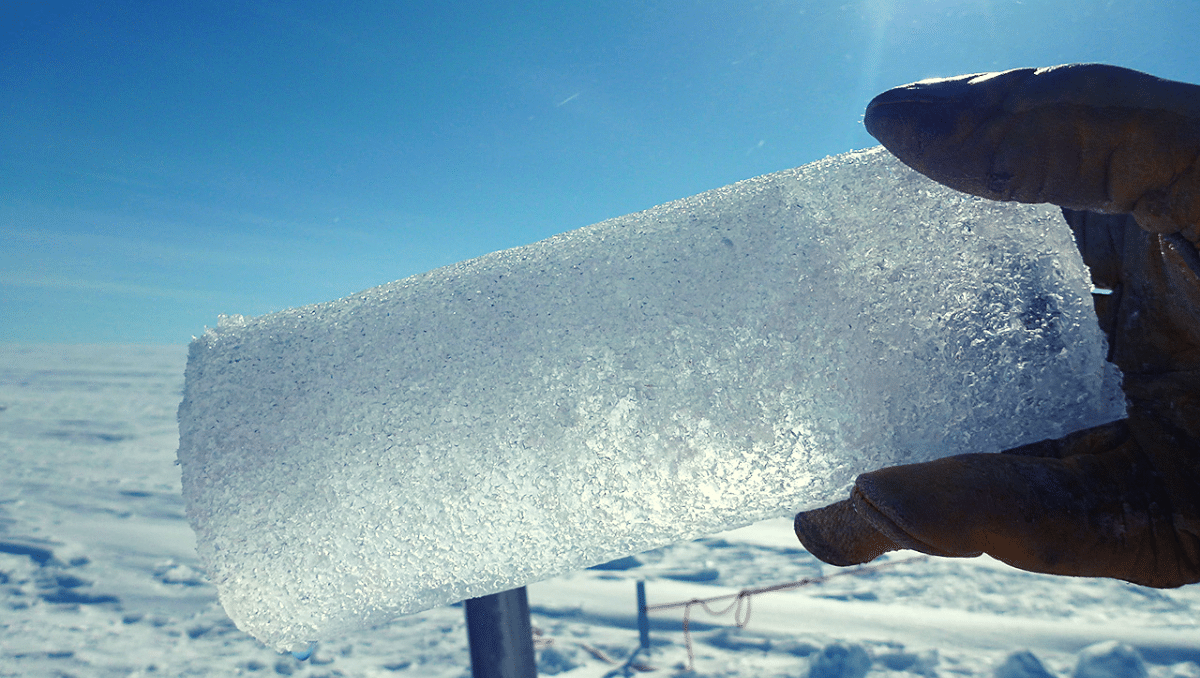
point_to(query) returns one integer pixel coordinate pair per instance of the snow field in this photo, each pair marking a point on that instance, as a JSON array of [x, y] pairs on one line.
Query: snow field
[[99, 577]]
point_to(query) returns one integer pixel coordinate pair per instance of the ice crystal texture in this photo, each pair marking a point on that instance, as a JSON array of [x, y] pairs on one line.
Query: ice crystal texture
[[736, 355]]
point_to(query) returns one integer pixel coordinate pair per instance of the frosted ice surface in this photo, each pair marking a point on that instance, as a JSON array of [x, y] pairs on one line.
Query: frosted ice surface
[[736, 355]]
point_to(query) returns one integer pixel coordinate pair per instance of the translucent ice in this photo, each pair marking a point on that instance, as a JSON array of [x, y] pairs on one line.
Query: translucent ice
[[736, 355]]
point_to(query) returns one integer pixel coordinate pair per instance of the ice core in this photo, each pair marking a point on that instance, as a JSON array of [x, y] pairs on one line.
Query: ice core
[[736, 355]]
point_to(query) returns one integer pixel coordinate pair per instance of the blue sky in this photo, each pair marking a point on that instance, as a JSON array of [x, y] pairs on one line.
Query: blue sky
[[163, 163]]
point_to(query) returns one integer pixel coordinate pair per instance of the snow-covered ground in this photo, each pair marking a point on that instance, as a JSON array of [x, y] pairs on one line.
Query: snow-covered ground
[[98, 576]]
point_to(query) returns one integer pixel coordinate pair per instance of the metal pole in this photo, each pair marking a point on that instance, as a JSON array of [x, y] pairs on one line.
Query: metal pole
[[500, 635], [643, 618]]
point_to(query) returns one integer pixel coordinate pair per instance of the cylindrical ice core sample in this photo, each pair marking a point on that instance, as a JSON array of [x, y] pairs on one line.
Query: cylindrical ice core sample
[[724, 358]]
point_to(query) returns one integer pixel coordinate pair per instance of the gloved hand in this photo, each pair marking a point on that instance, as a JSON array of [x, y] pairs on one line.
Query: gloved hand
[[1119, 150]]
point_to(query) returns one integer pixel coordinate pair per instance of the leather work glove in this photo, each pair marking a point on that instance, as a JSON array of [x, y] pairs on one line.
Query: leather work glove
[[1119, 151]]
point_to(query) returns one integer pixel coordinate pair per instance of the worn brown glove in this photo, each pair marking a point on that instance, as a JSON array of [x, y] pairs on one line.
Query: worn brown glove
[[1119, 151]]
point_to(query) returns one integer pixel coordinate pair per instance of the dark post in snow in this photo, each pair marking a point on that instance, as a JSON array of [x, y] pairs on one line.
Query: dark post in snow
[[643, 618], [500, 635]]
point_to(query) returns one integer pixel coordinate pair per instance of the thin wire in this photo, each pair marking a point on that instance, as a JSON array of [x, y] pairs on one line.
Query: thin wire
[[741, 600]]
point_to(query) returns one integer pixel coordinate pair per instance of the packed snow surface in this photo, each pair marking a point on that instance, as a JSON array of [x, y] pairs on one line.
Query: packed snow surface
[[711, 362], [99, 576]]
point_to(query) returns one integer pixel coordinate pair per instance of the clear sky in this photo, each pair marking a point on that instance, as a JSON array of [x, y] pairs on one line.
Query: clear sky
[[165, 162]]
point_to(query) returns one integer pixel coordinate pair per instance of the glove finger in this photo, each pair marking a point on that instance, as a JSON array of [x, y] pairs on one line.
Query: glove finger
[[1085, 136], [1094, 515], [837, 535]]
